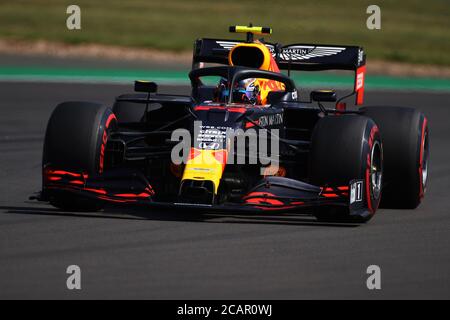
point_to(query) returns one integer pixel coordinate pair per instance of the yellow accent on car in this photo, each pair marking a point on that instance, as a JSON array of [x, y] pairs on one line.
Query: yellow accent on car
[[261, 58], [205, 166], [254, 30], [265, 54]]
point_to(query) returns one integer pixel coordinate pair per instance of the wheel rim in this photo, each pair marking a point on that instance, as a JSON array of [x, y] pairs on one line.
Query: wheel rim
[[376, 173], [425, 160]]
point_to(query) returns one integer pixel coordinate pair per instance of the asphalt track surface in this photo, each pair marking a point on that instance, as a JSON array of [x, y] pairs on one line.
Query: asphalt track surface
[[130, 253]]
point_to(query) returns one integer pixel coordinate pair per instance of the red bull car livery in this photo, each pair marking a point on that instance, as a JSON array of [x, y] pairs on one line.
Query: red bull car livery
[[246, 140]]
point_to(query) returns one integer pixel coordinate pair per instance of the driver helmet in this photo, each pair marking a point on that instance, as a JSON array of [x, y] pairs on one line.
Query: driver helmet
[[245, 91]]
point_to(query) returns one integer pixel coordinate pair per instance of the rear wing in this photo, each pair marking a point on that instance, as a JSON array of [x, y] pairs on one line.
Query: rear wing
[[308, 57]]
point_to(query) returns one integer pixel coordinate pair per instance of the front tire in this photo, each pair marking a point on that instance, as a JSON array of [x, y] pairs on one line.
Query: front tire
[[75, 141], [346, 148]]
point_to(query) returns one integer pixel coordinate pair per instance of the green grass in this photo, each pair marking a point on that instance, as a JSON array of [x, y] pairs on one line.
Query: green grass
[[414, 31]]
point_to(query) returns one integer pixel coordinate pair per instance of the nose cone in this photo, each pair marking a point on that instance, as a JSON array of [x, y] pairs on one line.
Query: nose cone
[[203, 166]]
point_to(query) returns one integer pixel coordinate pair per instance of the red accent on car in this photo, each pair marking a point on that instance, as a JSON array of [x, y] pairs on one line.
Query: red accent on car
[[116, 200], [371, 139], [334, 192], [255, 194], [372, 135], [61, 172], [273, 65], [330, 195], [229, 109], [341, 106], [101, 191], [108, 121], [359, 84], [369, 199], [274, 208], [422, 141], [104, 140], [54, 178], [262, 198], [265, 200], [193, 153], [221, 156], [132, 195], [76, 182]]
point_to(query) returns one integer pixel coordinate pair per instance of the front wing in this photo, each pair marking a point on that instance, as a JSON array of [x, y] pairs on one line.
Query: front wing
[[127, 186]]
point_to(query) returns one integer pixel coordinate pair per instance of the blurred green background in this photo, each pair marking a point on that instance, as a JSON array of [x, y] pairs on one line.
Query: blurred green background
[[413, 31]]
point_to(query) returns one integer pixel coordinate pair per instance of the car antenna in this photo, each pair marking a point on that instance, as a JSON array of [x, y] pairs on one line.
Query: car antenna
[[250, 34], [250, 30]]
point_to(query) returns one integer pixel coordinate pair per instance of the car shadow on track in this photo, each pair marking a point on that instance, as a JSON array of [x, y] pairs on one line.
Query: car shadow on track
[[302, 219]]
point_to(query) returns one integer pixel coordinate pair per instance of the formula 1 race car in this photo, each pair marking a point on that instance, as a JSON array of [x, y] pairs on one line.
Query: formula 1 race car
[[210, 150]]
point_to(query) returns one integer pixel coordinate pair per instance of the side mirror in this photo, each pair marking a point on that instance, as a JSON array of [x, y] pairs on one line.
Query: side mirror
[[323, 95], [145, 86]]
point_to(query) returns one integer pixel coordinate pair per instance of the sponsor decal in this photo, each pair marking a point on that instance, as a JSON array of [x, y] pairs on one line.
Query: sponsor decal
[[356, 191], [227, 44], [209, 145], [296, 52], [294, 95], [360, 80], [270, 120], [211, 138], [270, 85], [220, 145], [359, 84], [302, 52]]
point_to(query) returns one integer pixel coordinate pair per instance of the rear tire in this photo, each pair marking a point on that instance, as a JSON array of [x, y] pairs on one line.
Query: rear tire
[[345, 148], [406, 153], [75, 141]]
